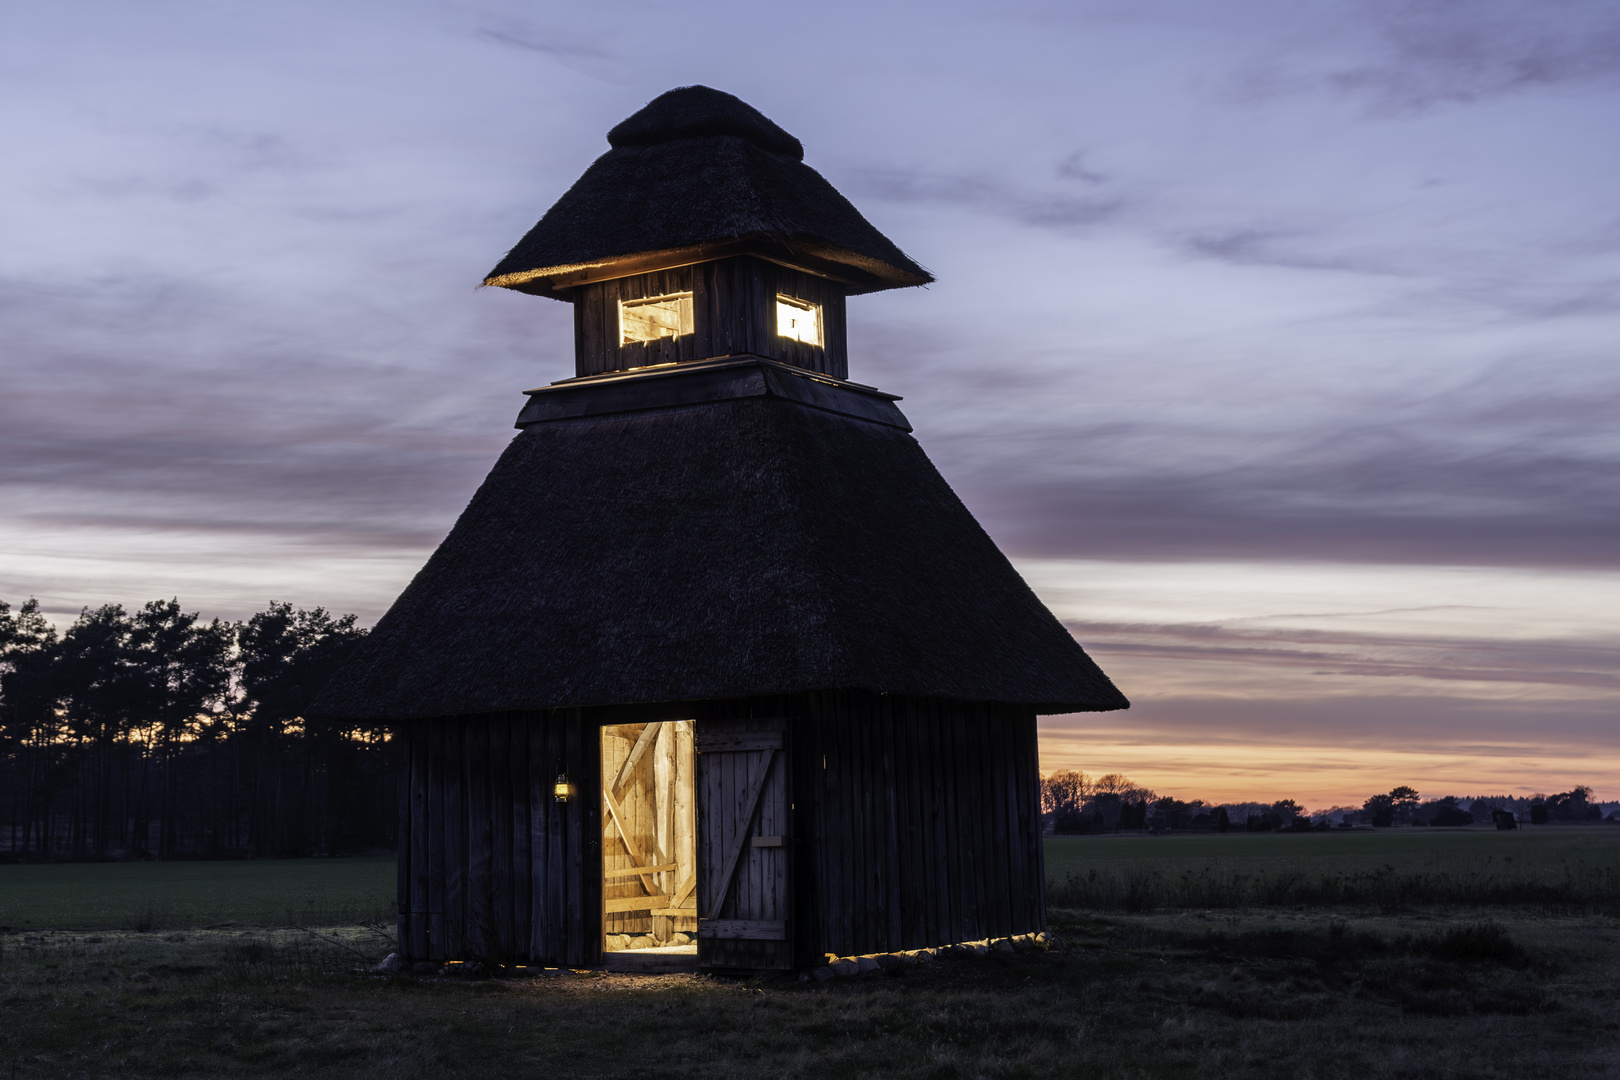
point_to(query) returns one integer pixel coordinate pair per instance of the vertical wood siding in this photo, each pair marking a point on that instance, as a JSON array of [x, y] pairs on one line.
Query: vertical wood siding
[[926, 824], [911, 822], [490, 866], [734, 313]]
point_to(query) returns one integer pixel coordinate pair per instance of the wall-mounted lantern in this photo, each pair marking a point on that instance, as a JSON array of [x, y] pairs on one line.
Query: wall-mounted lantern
[[562, 790]]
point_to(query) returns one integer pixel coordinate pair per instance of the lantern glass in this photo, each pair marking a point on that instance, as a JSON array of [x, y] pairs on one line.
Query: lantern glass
[[562, 790]]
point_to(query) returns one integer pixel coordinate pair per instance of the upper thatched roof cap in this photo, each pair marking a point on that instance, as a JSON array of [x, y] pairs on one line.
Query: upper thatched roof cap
[[691, 112], [699, 174]]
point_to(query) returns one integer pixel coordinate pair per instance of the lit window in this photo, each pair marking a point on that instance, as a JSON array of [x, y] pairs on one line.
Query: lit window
[[798, 320], [654, 318]]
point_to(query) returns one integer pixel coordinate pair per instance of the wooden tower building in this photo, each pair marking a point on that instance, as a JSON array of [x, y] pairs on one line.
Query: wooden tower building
[[714, 653]]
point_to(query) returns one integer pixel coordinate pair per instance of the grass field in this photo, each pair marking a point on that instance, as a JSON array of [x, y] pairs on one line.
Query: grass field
[[152, 895], [276, 892], [1572, 868], [1324, 991], [1541, 849]]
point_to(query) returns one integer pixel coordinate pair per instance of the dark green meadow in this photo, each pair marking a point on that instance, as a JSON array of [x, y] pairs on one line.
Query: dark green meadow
[[188, 895], [1564, 868], [1269, 989]]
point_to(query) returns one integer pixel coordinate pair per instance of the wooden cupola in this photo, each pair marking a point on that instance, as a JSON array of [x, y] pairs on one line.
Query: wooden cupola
[[701, 235]]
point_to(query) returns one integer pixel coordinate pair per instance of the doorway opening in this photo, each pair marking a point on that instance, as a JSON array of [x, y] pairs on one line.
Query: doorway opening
[[649, 839]]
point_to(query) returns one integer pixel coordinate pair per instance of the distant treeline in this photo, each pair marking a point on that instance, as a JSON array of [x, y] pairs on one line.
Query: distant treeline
[[155, 734], [1075, 803]]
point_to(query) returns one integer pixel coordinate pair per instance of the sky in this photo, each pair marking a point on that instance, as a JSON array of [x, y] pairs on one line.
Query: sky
[[1273, 341]]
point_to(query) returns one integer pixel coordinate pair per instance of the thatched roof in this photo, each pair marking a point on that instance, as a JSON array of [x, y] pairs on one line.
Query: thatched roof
[[750, 544], [699, 174]]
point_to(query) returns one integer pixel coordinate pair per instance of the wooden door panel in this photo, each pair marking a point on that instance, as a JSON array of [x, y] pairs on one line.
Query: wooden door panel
[[743, 844]]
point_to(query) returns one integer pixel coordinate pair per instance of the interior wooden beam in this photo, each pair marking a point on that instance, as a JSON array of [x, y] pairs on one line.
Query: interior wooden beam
[[641, 868], [636, 903], [633, 871], [648, 734]]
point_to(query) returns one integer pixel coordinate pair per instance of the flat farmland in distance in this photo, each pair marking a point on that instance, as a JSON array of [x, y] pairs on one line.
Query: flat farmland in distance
[[165, 895], [1544, 846], [1568, 868]]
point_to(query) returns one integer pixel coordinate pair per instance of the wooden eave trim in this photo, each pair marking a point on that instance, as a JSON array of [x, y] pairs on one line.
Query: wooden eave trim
[[558, 281]]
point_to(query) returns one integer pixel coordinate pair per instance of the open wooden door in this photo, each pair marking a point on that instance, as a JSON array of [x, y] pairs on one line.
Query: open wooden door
[[744, 891]]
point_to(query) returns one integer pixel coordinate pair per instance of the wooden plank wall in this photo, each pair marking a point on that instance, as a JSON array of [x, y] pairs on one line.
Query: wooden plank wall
[[832, 358], [734, 313], [596, 324], [912, 822], [926, 827], [491, 867]]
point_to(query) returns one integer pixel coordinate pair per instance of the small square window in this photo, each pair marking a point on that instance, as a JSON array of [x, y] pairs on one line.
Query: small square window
[[798, 319], [655, 318]]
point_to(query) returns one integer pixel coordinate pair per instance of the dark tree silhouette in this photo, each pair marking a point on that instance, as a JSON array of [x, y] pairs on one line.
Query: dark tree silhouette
[[155, 733]]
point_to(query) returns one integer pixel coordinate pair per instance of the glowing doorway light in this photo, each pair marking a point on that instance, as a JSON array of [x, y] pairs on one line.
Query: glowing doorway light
[[655, 318], [798, 319]]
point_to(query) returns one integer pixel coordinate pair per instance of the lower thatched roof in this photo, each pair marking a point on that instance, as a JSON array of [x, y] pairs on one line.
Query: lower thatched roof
[[748, 546]]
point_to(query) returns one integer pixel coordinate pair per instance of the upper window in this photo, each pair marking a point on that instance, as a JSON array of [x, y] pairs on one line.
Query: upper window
[[798, 319], [654, 318]]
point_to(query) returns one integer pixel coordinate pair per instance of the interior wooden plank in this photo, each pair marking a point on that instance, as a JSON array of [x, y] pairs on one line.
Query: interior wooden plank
[[636, 871], [643, 740], [630, 840], [639, 903]]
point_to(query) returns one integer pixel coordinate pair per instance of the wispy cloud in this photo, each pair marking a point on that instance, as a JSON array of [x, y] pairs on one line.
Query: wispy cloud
[[1593, 665], [1432, 53], [583, 50], [1288, 247], [995, 196]]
